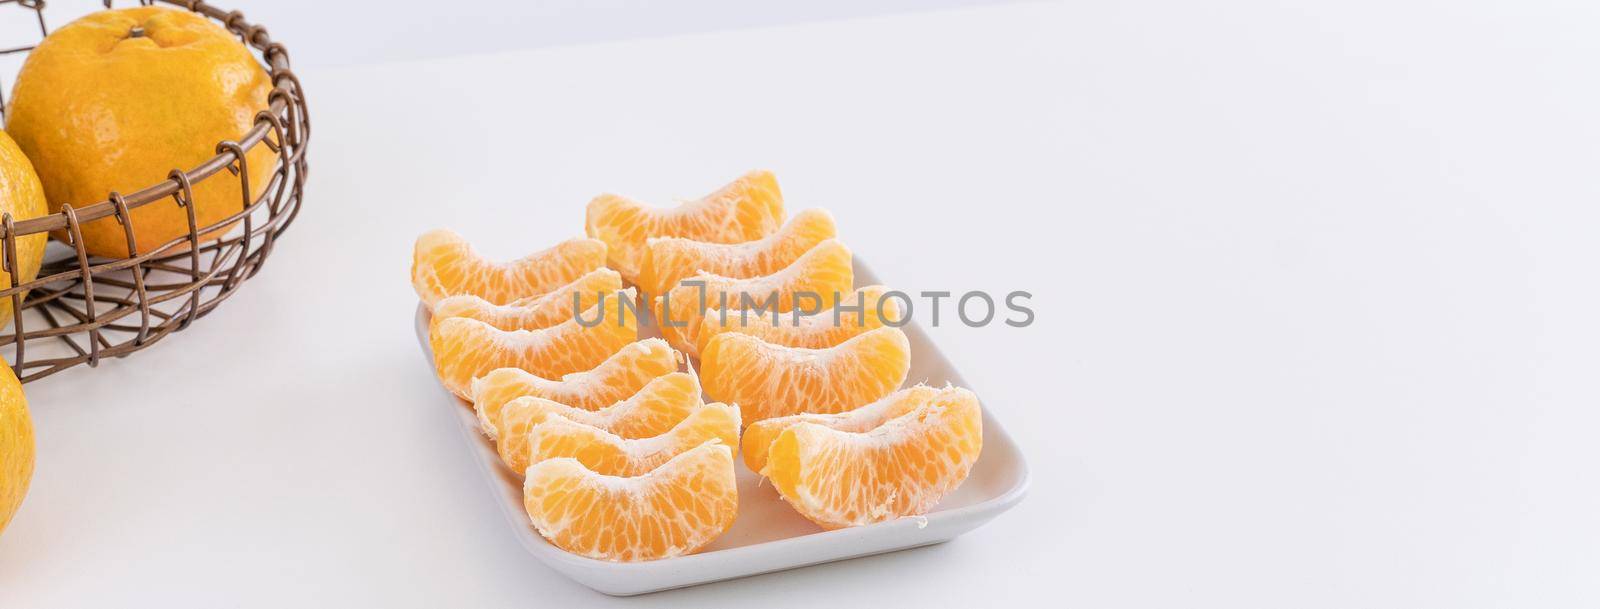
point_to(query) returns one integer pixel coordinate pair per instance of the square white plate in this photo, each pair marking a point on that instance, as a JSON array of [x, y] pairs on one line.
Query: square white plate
[[768, 535]]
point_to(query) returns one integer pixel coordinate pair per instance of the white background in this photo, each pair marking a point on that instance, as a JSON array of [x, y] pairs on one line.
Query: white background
[[343, 33], [1315, 282]]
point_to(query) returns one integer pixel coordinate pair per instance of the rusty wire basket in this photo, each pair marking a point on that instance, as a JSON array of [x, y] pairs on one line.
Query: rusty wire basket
[[82, 309]]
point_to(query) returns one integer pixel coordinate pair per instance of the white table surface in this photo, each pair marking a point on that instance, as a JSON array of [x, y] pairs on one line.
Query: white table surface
[[1315, 290]]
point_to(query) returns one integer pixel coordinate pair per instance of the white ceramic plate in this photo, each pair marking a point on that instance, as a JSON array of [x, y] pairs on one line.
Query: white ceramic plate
[[768, 535]]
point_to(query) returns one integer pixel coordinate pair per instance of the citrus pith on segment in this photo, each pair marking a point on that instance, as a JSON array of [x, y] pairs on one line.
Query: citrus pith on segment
[[444, 264], [749, 208], [839, 478], [768, 380], [465, 348], [673, 510]]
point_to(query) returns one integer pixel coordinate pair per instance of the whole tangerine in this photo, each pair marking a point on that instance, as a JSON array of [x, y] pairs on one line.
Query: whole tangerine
[[22, 196], [16, 445], [116, 100]]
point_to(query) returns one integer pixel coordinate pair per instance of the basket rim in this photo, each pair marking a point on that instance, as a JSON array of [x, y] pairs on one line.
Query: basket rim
[[228, 151]]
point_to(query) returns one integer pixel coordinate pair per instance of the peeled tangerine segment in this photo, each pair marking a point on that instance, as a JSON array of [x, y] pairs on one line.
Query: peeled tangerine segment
[[533, 312], [860, 312], [443, 264], [672, 510], [758, 436], [612, 455], [623, 374], [669, 259], [653, 411], [839, 478], [747, 209], [768, 380], [824, 273], [464, 348]]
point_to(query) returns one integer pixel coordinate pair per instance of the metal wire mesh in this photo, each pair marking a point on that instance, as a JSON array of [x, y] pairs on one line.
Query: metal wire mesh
[[82, 309]]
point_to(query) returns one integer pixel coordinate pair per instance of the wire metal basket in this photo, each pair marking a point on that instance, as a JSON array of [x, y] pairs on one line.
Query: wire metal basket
[[82, 309]]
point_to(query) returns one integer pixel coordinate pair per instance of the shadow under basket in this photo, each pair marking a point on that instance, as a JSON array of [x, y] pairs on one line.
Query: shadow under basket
[[82, 309]]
